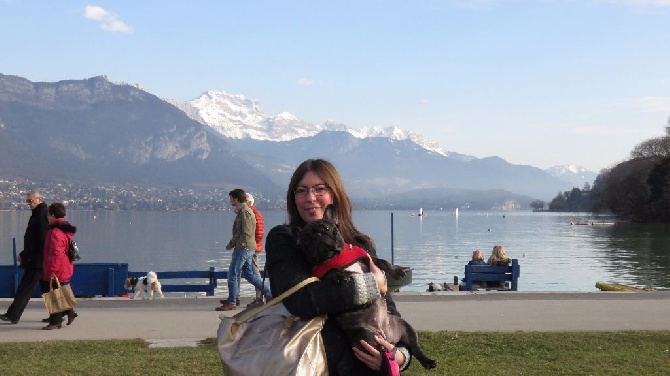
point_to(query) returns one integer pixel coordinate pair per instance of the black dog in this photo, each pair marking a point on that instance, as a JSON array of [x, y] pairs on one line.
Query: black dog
[[321, 243]]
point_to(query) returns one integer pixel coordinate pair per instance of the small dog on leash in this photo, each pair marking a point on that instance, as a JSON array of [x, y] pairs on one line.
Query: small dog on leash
[[145, 286], [324, 248]]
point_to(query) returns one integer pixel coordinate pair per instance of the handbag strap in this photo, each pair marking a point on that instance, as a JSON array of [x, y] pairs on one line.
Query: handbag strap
[[247, 314], [51, 283]]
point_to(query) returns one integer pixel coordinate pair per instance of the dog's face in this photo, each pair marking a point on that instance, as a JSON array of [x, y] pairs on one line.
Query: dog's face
[[131, 282], [321, 240]]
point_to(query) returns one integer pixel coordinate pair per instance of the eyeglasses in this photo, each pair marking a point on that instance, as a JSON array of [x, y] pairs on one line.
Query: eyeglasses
[[30, 201], [318, 190]]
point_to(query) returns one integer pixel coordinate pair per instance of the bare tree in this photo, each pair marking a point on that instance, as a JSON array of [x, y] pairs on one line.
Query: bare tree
[[654, 147]]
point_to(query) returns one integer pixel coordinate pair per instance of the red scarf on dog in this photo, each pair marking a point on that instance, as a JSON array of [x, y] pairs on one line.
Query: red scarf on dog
[[350, 254]]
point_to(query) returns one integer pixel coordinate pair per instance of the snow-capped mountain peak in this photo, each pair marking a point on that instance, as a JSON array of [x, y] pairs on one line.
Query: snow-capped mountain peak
[[235, 116], [577, 175], [287, 116]]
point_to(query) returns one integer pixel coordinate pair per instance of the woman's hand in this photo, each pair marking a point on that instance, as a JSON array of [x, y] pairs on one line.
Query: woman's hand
[[373, 358], [380, 277]]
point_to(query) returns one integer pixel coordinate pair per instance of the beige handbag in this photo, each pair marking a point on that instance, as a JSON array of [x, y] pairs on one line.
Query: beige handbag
[[268, 340], [59, 299]]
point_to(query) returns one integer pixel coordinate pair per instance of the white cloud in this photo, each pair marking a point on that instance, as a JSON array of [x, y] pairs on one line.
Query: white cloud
[[305, 82], [108, 21]]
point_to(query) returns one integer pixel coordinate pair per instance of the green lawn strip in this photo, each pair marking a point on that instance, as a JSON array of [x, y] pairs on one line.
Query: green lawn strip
[[457, 353], [108, 357], [533, 353]]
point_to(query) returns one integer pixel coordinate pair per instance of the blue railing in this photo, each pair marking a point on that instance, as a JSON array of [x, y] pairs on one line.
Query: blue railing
[[109, 279]]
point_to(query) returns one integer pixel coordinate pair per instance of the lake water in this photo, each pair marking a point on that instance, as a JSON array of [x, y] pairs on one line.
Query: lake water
[[554, 255]]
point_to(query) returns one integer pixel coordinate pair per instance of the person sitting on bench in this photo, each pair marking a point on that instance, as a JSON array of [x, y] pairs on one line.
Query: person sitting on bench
[[498, 258]]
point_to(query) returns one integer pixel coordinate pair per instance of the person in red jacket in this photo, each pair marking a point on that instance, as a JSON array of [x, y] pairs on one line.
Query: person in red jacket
[[56, 261], [260, 229]]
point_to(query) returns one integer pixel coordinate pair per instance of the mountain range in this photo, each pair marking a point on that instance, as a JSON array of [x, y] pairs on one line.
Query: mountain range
[[99, 131]]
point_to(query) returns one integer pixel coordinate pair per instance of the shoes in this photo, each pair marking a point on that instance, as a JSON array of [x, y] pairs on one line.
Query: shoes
[[71, 315], [224, 301], [52, 326], [226, 307], [64, 314], [256, 302], [7, 318]]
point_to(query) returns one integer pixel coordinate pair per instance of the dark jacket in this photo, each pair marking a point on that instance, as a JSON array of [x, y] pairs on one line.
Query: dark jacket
[[33, 240], [477, 262], [287, 267]]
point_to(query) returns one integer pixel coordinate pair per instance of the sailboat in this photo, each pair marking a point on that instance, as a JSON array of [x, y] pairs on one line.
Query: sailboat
[[421, 213], [456, 213]]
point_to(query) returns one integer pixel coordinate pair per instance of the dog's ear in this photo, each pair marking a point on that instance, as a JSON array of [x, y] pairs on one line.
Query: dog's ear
[[331, 213]]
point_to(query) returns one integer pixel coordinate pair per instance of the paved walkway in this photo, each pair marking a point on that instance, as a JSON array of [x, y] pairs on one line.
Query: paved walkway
[[184, 321]]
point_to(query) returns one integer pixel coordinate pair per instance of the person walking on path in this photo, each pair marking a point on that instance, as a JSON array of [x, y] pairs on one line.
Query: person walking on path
[[243, 244], [30, 259], [260, 231], [56, 260]]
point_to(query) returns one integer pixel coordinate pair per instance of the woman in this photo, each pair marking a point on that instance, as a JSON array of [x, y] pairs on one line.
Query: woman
[[56, 261], [499, 257], [314, 185], [477, 258]]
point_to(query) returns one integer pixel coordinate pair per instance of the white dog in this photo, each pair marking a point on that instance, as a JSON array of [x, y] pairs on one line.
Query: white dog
[[145, 286]]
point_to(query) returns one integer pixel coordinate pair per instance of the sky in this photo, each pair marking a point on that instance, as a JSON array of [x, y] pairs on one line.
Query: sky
[[535, 82]]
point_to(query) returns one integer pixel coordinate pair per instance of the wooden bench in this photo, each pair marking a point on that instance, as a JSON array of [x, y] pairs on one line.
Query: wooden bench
[[487, 273]]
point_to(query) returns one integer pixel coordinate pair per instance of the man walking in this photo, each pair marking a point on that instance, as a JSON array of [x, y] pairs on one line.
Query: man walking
[[260, 230], [243, 244], [30, 259]]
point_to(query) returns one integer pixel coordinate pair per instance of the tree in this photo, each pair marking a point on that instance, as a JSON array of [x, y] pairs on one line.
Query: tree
[[659, 191], [624, 191], [637, 189], [559, 203], [655, 147], [537, 204]]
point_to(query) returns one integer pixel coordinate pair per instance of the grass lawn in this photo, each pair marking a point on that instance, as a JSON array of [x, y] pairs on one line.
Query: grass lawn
[[457, 353]]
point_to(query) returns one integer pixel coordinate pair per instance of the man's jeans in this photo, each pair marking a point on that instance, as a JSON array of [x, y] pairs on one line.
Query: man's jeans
[[257, 271], [241, 263]]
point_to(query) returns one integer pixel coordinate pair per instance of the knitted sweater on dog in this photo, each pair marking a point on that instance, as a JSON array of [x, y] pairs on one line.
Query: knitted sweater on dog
[[349, 254]]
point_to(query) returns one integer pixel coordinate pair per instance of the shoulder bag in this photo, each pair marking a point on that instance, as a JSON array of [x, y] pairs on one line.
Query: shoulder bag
[[59, 299], [268, 340]]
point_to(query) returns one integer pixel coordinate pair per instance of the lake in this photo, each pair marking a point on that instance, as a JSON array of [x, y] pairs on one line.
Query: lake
[[554, 253]]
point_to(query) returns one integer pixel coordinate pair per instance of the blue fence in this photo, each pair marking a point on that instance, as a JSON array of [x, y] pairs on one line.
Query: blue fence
[[108, 279]]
